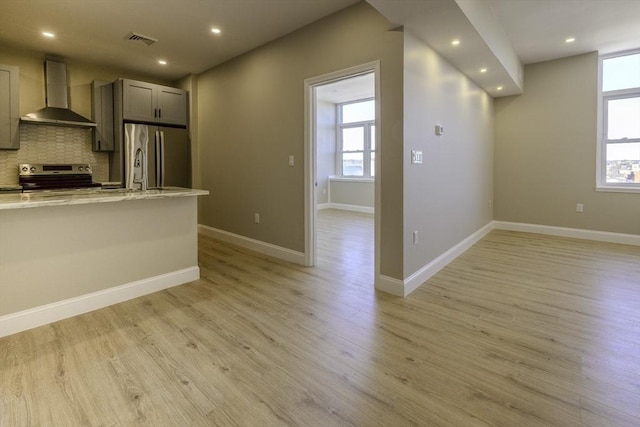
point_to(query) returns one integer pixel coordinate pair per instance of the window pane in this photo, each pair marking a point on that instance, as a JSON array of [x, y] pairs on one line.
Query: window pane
[[373, 138], [623, 118], [352, 164], [353, 139], [623, 162], [373, 164], [622, 72], [358, 112]]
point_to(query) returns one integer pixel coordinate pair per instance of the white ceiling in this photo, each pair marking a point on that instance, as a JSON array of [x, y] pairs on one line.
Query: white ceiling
[[350, 89], [96, 30], [537, 28]]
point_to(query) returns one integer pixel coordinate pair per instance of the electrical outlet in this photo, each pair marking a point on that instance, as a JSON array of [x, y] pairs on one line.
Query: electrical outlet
[[580, 207], [415, 237], [292, 160], [256, 218], [490, 204]]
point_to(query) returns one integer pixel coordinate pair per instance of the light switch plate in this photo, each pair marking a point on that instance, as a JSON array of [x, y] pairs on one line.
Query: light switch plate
[[416, 157]]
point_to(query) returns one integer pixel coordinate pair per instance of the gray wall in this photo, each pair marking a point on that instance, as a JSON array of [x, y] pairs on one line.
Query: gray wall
[[445, 198], [352, 192], [251, 118], [546, 152], [326, 148]]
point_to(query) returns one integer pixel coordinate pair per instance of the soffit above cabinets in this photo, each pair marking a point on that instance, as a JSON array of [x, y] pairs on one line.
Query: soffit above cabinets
[[501, 34], [483, 43]]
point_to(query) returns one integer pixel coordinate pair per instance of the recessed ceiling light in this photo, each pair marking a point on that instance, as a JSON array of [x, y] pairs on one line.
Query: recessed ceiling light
[[499, 88], [216, 30], [162, 62], [48, 34], [455, 42], [570, 40], [483, 70]]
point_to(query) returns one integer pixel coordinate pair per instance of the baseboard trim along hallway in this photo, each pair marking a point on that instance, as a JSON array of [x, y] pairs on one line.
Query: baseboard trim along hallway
[[405, 287], [576, 233], [253, 244], [49, 313]]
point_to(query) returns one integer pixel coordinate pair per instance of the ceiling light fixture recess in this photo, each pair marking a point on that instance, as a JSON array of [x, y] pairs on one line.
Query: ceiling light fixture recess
[[570, 40], [136, 37], [162, 62], [455, 42], [216, 30], [483, 70], [48, 34]]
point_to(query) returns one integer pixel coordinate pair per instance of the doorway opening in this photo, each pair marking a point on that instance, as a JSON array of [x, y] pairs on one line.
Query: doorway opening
[[342, 168]]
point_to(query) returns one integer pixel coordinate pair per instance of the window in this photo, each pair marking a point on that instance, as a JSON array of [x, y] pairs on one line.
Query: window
[[619, 147], [356, 139]]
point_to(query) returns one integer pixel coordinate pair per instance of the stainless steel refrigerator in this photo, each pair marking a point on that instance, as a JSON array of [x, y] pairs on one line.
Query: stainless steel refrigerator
[[155, 156]]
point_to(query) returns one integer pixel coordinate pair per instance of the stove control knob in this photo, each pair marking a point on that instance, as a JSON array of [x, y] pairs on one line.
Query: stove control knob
[[33, 168], [87, 168], [80, 168], [24, 169]]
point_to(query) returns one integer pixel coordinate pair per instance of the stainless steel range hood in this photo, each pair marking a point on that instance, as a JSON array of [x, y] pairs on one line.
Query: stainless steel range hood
[[57, 112]]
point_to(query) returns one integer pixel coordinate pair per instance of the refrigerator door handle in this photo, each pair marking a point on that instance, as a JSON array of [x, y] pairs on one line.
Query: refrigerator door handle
[[161, 170]]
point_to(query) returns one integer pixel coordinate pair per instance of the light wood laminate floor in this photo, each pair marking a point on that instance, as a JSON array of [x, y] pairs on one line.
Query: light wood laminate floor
[[521, 330]]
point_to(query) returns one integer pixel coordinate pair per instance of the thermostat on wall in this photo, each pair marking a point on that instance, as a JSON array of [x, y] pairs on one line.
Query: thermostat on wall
[[439, 130]]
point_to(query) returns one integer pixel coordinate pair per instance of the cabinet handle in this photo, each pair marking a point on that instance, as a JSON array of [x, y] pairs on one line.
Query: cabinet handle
[[159, 113], [155, 112]]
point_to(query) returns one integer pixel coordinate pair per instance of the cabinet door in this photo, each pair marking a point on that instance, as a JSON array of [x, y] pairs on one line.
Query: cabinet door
[[172, 106], [139, 101], [9, 108], [102, 107]]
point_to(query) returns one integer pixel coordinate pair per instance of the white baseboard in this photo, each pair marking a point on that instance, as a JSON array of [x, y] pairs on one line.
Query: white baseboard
[[255, 245], [345, 207], [411, 283], [576, 233], [45, 314], [323, 206], [390, 285]]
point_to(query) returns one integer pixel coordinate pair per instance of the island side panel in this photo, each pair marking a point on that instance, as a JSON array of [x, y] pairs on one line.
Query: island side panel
[[50, 254]]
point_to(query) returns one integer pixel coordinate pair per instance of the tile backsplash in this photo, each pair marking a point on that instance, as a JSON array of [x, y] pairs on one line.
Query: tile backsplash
[[52, 144]]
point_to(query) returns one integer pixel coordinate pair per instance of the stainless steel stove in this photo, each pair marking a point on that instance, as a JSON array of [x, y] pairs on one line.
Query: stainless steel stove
[[38, 177]]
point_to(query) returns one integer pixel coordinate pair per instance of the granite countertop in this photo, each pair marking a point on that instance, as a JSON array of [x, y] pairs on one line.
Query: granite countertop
[[88, 196]]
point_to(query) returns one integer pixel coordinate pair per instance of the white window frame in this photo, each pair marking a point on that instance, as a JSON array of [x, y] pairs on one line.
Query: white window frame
[[366, 125], [603, 141]]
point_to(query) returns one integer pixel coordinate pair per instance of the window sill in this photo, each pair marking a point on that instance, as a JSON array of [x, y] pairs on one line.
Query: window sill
[[618, 188], [350, 179]]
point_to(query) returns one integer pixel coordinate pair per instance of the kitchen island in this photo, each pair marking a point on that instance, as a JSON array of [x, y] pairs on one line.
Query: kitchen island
[[70, 252]]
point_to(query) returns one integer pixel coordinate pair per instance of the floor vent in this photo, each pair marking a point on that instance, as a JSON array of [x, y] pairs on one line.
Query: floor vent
[[140, 38]]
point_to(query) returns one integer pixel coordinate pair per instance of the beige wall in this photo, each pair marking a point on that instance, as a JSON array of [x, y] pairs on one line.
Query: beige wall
[[251, 119], [446, 198], [545, 152], [87, 248], [325, 149], [354, 193]]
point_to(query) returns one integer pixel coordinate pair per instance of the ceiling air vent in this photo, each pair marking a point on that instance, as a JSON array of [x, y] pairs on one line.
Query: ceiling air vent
[[140, 38]]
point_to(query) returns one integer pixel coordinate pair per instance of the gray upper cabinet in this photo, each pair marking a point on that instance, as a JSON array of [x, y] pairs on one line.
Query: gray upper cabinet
[[151, 103], [102, 105], [9, 108]]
